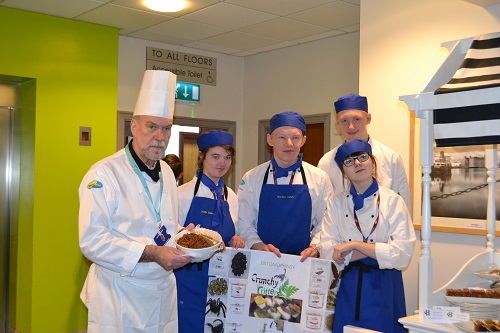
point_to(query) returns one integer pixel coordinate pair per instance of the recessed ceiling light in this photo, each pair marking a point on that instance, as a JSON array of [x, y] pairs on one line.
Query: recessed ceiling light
[[165, 5]]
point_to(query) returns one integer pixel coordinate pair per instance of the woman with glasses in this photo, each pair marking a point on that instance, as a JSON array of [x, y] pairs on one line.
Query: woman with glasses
[[368, 229]]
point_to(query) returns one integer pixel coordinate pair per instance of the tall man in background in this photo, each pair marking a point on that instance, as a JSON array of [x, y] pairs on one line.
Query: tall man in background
[[353, 119]]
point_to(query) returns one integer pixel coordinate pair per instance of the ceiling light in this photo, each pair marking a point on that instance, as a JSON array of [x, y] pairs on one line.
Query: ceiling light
[[165, 5]]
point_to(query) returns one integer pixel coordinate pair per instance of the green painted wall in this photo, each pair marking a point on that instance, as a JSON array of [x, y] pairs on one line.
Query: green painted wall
[[69, 75]]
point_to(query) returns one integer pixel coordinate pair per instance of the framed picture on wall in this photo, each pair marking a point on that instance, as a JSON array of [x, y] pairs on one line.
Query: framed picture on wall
[[458, 190]]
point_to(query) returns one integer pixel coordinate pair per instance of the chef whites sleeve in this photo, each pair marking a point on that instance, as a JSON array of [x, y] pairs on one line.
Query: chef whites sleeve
[[397, 251], [323, 191], [100, 241], [248, 206]]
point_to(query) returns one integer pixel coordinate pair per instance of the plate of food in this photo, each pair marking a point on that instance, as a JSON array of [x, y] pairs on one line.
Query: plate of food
[[473, 295], [492, 275], [483, 325], [473, 300], [198, 244]]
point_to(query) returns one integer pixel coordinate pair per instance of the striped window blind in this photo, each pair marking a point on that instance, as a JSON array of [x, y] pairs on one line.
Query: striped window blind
[[468, 106]]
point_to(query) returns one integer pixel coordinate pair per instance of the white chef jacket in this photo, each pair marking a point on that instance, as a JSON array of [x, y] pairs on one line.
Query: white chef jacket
[[249, 189], [186, 192], [116, 222], [390, 170], [394, 236]]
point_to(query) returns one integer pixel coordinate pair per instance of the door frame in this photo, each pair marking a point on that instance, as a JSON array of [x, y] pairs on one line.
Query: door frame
[[264, 125], [13, 89], [183, 136]]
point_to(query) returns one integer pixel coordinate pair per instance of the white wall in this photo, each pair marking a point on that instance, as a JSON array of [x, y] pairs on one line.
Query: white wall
[[221, 102], [306, 78], [399, 52]]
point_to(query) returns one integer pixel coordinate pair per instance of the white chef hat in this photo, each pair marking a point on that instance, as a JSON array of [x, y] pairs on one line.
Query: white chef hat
[[157, 94]]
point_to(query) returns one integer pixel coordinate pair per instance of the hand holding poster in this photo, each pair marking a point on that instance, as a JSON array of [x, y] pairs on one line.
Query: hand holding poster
[[255, 291]]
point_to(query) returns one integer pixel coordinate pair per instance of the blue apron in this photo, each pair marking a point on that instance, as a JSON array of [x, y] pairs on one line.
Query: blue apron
[[370, 297], [192, 279], [285, 215]]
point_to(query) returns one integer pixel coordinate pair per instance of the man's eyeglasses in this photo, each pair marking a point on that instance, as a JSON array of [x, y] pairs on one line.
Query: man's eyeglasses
[[349, 161]]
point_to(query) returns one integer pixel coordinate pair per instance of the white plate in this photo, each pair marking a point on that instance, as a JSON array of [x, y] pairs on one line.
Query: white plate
[[478, 300], [467, 326], [198, 255], [487, 276]]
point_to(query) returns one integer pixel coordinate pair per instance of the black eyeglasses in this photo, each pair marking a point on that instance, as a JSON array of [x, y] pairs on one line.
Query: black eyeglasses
[[349, 161]]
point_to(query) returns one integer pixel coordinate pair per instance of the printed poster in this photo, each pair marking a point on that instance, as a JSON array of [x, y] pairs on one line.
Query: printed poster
[[257, 292]]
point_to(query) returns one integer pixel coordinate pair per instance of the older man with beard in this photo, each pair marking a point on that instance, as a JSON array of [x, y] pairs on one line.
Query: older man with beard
[[128, 215]]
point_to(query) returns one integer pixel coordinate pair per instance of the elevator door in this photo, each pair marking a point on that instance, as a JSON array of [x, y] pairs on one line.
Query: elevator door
[[5, 179]]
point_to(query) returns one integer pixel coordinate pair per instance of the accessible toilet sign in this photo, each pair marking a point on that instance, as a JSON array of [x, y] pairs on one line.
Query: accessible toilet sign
[[188, 67]]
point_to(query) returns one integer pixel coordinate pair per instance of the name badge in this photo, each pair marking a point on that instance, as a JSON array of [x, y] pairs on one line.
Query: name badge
[[162, 236]]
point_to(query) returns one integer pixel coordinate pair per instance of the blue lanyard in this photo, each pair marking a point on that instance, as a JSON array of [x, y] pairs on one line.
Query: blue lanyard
[[138, 172]]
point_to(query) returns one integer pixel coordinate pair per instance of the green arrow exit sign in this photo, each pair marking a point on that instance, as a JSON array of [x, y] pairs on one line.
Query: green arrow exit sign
[[187, 92]]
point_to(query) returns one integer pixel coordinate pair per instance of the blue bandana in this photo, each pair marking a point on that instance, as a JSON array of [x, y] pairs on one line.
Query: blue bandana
[[351, 102], [283, 172], [214, 138], [217, 189], [292, 119], [359, 199], [349, 148]]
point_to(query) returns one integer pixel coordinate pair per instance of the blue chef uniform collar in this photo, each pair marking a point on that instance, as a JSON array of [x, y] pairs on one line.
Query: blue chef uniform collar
[[283, 172], [359, 199], [217, 189]]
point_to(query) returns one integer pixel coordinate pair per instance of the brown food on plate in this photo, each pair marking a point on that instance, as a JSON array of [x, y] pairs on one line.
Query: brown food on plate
[[479, 293], [194, 241], [486, 325]]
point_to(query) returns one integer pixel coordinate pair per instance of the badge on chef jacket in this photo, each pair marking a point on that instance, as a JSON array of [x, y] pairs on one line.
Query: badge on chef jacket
[[162, 236], [94, 184]]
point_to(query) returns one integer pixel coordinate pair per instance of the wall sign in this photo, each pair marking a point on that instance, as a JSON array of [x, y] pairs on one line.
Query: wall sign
[[188, 67], [187, 92], [255, 291]]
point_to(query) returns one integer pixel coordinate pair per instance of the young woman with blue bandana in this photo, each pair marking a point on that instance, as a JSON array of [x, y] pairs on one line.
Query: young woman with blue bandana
[[206, 201], [368, 229]]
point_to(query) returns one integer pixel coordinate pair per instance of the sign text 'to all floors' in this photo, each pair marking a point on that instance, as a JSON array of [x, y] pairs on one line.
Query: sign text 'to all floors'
[[188, 67]]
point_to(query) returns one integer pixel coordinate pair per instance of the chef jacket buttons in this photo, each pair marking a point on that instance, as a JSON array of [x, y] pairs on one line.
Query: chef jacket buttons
[[349, 239], [373, 216], [346, 215]]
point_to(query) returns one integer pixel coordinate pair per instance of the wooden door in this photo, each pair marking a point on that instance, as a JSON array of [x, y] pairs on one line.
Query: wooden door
[[314, 147]]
